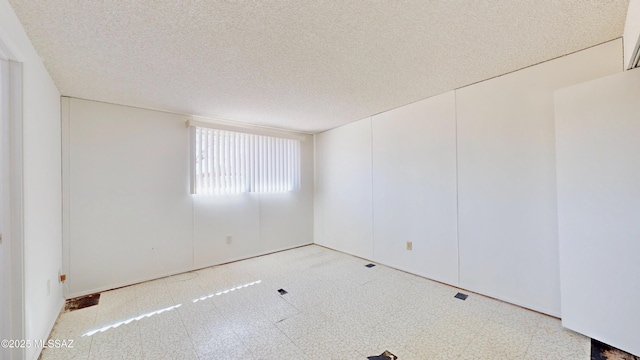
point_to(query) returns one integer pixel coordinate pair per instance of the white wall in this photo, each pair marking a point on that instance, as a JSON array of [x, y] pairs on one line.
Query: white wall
[[129, 201], [131, 217], [598, 148], [492, 145], [414, 188], [42, 187], [507, 180], [343, 196]]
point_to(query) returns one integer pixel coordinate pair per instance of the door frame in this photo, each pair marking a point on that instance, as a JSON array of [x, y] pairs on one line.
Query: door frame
[[12, 203]]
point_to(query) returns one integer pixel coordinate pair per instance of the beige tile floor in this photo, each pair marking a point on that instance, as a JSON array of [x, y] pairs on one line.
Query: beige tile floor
[[336, 308]]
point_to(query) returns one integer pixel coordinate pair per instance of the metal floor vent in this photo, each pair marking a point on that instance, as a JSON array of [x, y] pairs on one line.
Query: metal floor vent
[[282, 291], [461, 296], [370, 265], [82, 302]]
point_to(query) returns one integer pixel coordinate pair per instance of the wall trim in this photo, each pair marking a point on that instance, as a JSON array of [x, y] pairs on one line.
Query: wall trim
[[171, 273], [13, 165], [409, 271]]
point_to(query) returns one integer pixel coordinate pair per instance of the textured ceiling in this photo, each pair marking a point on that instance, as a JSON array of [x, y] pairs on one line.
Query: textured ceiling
[[299, 65]]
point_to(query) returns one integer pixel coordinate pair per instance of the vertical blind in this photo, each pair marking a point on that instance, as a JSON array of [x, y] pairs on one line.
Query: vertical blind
[[227, 162]]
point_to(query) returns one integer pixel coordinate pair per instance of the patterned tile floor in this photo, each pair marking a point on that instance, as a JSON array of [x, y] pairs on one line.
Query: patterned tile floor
[[336, 308]]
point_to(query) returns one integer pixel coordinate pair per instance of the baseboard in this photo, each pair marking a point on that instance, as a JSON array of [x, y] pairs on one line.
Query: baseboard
[[268, 252], [457, 286], [171, 273]]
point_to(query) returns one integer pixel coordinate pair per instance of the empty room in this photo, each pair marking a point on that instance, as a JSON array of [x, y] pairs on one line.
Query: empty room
[[339, 179]]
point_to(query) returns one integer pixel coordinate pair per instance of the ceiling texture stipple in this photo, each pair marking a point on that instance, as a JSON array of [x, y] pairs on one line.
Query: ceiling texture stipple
[[300, 65]]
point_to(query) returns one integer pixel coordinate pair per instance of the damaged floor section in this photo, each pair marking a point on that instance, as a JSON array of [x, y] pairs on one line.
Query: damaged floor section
[[82, 302], [602, 351], [334, 308]]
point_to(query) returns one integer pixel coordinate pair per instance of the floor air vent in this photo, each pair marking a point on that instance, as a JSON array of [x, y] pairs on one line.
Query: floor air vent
[[461, 296]]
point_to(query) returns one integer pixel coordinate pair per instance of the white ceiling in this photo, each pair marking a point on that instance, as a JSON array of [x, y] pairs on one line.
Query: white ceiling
[[300, 65]]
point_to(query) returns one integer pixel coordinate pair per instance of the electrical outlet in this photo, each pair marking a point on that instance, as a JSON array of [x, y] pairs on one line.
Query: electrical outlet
[[409, 245], [229, 239]]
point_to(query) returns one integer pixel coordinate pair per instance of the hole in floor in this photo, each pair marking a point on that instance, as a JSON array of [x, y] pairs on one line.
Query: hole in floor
[[602, 351], [370, 265], [282, 291], [384, 356], [82, 302]]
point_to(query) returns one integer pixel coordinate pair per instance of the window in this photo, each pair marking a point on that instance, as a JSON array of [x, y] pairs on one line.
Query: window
[[227, 162]]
